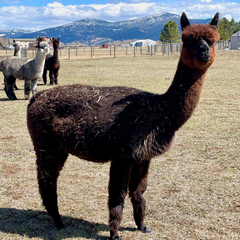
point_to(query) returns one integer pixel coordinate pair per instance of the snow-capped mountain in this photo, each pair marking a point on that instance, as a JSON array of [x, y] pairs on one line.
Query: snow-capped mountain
[[90, 30]]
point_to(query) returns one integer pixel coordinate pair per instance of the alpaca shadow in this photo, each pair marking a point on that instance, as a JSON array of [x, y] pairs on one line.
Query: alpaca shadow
[[37, 224]]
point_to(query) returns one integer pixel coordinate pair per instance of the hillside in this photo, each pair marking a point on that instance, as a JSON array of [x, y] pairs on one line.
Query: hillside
[[93, 31]]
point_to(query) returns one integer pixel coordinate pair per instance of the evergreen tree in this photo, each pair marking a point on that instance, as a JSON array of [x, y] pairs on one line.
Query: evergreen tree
[[170, 33], [227, 28]]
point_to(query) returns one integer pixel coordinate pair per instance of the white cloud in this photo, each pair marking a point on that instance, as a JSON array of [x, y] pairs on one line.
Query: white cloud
[[228, 17], [205, 1], [56, 14]]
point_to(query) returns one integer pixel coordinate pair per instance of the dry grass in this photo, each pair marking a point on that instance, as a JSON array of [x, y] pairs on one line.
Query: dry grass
[[193, 191]]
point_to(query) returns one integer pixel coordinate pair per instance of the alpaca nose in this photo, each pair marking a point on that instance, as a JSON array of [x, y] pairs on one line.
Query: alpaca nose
[[203, 51]]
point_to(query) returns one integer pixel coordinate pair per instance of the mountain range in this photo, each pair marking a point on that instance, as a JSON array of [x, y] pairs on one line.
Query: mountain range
[[93, 31]]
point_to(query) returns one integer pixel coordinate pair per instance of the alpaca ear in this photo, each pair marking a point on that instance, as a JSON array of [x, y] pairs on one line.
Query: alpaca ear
[[215, 20], [184, 21]]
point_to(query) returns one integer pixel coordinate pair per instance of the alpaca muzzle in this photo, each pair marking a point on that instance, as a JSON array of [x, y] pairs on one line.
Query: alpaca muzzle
[[203, 52]]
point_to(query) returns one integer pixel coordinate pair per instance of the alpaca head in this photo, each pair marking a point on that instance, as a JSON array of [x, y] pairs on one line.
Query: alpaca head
[[18, 46], [199, 40], [55, 43], [43, 48]]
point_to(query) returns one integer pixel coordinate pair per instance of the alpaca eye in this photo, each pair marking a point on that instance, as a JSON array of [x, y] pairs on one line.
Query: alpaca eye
[[210, 43]]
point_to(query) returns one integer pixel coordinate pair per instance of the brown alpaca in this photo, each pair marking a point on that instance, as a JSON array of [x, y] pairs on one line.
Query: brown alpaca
[[52, 64], [123, 125]]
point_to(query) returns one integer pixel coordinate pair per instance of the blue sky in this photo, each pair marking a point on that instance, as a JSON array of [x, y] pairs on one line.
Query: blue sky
[[38, 15]]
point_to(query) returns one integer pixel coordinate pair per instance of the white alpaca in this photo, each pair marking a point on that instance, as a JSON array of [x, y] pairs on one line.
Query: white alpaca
[[21, 68]]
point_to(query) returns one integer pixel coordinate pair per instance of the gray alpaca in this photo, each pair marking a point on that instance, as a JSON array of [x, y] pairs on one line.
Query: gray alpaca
[[21, 68], [17, 53]]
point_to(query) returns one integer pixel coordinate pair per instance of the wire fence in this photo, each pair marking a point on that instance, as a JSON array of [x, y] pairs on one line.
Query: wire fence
[[95, 52]]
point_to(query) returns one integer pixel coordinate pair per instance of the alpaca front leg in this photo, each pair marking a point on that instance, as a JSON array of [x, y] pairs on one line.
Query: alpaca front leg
[[51, 76], [44, 76], [27, 89], [56, 77], [118, 185], [34, 87], [137, 186]]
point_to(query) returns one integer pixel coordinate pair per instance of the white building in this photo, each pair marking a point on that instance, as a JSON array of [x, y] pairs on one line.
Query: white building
[[235, 41], [143, 43]]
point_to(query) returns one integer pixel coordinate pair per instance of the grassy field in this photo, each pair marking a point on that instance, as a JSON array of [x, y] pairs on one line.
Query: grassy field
[[193, 191]]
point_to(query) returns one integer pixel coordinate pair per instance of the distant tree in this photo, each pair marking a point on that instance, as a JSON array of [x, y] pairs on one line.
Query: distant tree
[[170, 33], [227, 28], [238, 27], [4, 41]]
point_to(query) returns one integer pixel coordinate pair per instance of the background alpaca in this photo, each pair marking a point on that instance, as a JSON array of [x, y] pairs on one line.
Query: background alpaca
[[17, 53], [17, 49], [52, 64], [123, 125], [31, 71]]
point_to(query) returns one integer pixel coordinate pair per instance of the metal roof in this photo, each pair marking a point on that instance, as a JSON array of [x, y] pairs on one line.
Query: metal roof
[[237, 34]]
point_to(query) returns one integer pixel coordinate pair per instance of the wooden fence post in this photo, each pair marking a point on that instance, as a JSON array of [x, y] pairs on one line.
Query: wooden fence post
[[68, 53], [114, 52]]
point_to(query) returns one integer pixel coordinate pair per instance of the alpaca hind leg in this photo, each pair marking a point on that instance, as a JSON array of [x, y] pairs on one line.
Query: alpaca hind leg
[[118, 185], [15, 87], [49, 164], [137, 186], [9, 87]]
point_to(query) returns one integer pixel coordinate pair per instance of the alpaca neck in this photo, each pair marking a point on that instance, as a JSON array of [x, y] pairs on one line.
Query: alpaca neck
[[183, 94], [39, 60], [17, 53], [55, 54]]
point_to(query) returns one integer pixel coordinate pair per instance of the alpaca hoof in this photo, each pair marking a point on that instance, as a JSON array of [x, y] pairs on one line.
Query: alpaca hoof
[[27, 97], [115, 237], [145, 229], [12, 96], [60, 225]]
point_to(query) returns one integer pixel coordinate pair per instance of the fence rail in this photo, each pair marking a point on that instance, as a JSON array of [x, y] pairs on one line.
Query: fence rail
[[96, 52]]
